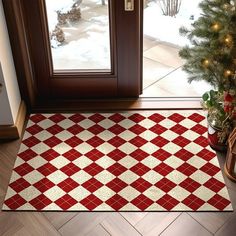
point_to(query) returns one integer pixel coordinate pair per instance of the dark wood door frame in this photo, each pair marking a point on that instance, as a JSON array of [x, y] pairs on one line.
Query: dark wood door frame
[[23, 54]]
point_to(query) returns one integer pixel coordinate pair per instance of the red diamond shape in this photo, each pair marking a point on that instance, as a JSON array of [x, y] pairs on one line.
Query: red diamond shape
[[196, 117], [140, 169], [116, 202], [165, 185], [95, 141], [117, 169], [168, 202], [163, 169], [34, 129], [47, 169], [214, 185], [183, 154], [15, 202], [136, 118], [141, 185], [27, 155], [199, 129], [181, 141], [161, 155], [31, 141], [210, 169], [177, 118], [36, 118], [193, 202], [116, 185], [117, 118], [186, 169], [74, 141], [66, 202], [159, 141], [206, 154], [202, 141], [23, 169], [116, 155], [219, 202], [70, 169], [94, 155], [50, 155], [57, 118], [43, 185], [158, 129], [68, 184], [93, 169], [55, 129], [116, 129], [139, 154], [179, 129], [96, 118], [156, 118], [91, 202], [52, 142], [72, 155], [142, 202], [40, 202], [75, 129], [92, 185], [19, 185], [137, 129], [96, 129], [190, 185], [76, 118], [116, 141], [138, 141]]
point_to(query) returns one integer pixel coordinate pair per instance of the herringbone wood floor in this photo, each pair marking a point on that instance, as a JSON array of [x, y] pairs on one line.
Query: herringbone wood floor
[[92, 224]]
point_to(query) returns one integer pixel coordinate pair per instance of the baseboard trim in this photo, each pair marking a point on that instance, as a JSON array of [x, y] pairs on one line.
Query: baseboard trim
[[15, 131]]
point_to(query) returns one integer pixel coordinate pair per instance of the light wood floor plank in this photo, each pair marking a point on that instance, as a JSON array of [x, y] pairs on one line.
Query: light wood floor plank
[[133, 217], [98, 231], [116, 225]]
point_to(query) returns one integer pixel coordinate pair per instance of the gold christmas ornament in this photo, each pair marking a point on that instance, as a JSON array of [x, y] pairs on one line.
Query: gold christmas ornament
[[228, 39], [228, 73], [216, 27], [206, 62]]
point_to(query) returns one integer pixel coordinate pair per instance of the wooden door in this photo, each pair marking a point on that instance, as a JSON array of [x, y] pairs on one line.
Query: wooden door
[[123, 79]]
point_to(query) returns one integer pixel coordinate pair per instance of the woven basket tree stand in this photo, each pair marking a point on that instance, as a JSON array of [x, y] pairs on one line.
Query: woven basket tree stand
[[230, 164]]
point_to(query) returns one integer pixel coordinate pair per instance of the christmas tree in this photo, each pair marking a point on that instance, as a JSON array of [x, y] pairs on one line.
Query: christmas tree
[[211, 56]]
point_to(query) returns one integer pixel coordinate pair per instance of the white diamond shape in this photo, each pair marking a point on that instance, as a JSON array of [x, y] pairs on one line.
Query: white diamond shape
[[14, 176], [128, 162], [105, 177], [148, 135], [106, 148], [176, 177], [190, 135], [18, 162], [174, 162], [62, 148], [66, 123], [64, 135], [104, 193], [204, 193], [105, 162], [127, 148], [106, 135], [86, 123], [36, 162], [46, 123], [193, 148], [33, 177], [57, 177], [106, 124], [171, 147], [85, 135], [152, 176], [196, 162], [29, 193], [79, 193], [188, 123], [83, 148], [154, 193], [43, 135], [54, 193], [169, 135], [129, 193], [82, 162], [179, 193], [149, 147], [150, 162], [200, 176], [128, 177], [59, 162], [167, 123], [147, 123], [127, 135], [81, 177], [40, 148], [126, 123]]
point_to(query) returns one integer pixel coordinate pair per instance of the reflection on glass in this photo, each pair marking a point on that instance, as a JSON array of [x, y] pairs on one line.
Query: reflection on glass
[[79, 34]]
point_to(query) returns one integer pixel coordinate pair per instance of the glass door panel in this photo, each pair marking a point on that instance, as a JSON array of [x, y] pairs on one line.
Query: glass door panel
[[79, 32]]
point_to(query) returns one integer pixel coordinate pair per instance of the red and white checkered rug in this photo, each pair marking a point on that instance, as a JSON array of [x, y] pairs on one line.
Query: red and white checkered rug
[[117, 162]]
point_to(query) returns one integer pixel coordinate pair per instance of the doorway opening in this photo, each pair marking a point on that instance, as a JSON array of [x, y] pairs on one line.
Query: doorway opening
[[162, 67]]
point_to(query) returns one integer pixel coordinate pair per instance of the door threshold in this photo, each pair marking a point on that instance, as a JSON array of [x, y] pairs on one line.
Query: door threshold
[[92, 105]]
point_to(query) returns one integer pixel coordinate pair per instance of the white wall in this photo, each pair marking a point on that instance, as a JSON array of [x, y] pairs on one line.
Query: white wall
[[10, 96]]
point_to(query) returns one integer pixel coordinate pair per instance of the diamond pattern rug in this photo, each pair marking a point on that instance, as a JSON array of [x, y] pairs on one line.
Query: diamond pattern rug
[[117, 162]]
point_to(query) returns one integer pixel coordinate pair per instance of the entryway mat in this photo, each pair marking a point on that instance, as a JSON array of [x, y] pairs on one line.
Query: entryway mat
[[143, 161]]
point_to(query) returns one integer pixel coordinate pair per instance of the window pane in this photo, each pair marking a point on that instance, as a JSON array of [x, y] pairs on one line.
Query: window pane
[[79, 34]]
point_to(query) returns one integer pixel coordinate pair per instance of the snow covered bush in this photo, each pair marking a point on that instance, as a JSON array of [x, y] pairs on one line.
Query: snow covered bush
[[170, 7]]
